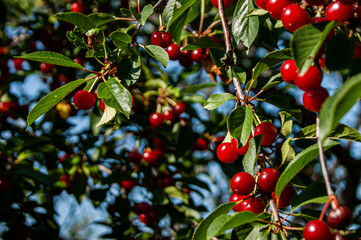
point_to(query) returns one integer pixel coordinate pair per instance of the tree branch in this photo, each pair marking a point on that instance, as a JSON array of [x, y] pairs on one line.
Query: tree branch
[[227, 36]]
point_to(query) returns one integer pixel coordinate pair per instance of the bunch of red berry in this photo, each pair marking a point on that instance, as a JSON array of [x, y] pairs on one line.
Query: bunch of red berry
[[171, 115], [147, 214]]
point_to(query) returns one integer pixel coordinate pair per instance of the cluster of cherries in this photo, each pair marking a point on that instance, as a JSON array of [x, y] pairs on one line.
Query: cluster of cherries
[[172, 114]]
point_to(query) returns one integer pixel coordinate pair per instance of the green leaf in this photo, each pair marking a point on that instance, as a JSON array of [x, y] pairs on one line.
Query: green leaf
[[51, 57], [250, 159], [239, 123], [78, 19], [226, 222], [50, 100], [201, 230], [194, 98], [158, 53], [168, 12], [286, 121], [240, 74], [203, 42], [115, 95], [197, 87], [339, 52], [307, 41], [247, 125], [270, 60], [257, 12], [300, 161], [274, 80], [309, 131], [174, 192], [216, 100], [315, 193], [288, 154], [99, 19], [179, 12], [342, 132], [120, 40], [33, 174], [108, 115], [336, 106], [145, 13], [134, 73], [283, 103], [135, 14], [244, 28]]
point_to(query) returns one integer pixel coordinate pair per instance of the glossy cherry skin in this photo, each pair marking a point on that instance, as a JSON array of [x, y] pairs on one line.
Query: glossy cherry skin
[[315, 2], [166, 39], [200, 145], [348, 2], [286, 196], [339, 218], [338, 11], [289, 71], [269, 132], [169, 115], [46, 67], [5, 185], [142, 207], [197, 55], [129, 184], [253, 204], [102, 105], [242, 183], [317, 230], [309, 80], [242, 150], [77, 7], [134, 157], [294, 17], [261, 4], [173, 51], [156, 119], [18, 63], [237, 198], [156, 38], [151, 156], [226, 153], [267, 180], [226, 3], [275, 7], [180, 108], [185, 58], [84, 100], [357, 53], [313, 99]]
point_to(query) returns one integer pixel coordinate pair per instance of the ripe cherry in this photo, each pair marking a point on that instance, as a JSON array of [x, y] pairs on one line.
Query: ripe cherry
[[169, 115], [269, 132], [339, 218], [134, 156], [357, 53], [322, 61], [316, 2], [157, 38], [275, 7], [142, 207], [46, 67], [237, 198], [242, 150], [267, 180], [226, 3], [316, 230], [173, 51], [18, 63], [200, 145], [84, 100], [294, 17], [226, 153], [5, 184], [102, 105], [313, 99], [253, 204], [261, 4], [185, 58], [162, 39], [286, 196], [77, 7], [309, 80], [156, 119], [180, 108], [242, 183], [348, 2], [149, 218], [150, 156], [289, 71], [129, 184], [197, 55], [338, 11]]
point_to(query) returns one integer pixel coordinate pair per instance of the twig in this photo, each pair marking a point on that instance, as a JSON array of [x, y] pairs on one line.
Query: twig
[[210, 27], [227, 36], [126, 19], [203, 3], [157, 4], [274, 210]]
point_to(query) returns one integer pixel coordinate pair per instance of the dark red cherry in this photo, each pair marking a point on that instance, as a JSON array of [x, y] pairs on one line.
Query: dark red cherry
[[315, 2], [156, 119], [200, 145], [261, 4], [338, 11], [5, 184], [157, 38], [185, 58], [294, 17], [77, 7], [129, 184], [166, 39], [237, 198], [317, 230], [242, 150], [102, 105], [226, 153], [311, 79], [286, 196], [267, 180], [169, 115], [18, 63], [173, 51], [348, 2], [149, 218], [242, 183], [226, 3], [142, 207], [357, 53], [84, 100], [339, 218], [134, 156], [313, 99], [253, 204], [289, 71], [46, 67], [180, 108], [269, 132], [275, 7], [322, 61], [197, 55], [151, 156]]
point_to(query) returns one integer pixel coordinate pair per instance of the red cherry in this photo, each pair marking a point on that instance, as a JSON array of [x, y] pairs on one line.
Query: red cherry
[[197, 55], [64, 157], [338, 11], [157, 38], [322, 61], [129, 184], [261, 4], [226, 3], [180, 108], [316, 230], [286, 196], [64, 178], [315, 2], [46, 67], [294, 17], [275, 7], [237, 198], [357, 53], [150, 218], [77, 7], [253, 204], [5, 184], [79, 61], [156, 119], [84, 100], [166, 39], [242, 183], [348, 2], [309, 80], [269, 132], [242, 150], [313, 99], [142, 207], [150, 156], [169, 115], [134, 156], [18, 63], [267, 180], [289, 71], [226, 153], [173, 51], [185, 58], [102, 105], [339, 218], [200, 145]]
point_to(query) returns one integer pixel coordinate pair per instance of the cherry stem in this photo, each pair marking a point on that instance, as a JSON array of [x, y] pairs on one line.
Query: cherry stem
[[210, 27], [274, 210], [331, 199], [227, 36], [157, 4], [203, 3], [126, 19]]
